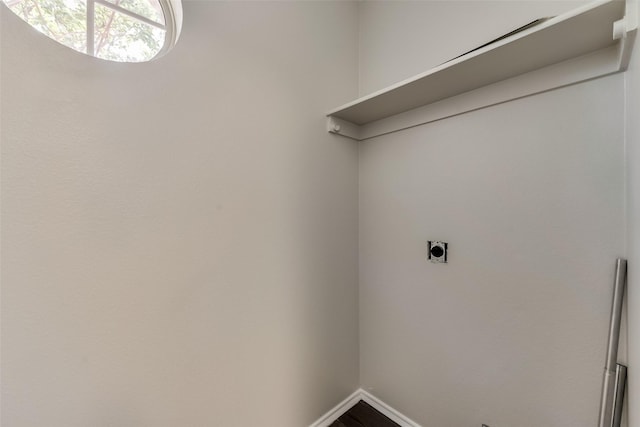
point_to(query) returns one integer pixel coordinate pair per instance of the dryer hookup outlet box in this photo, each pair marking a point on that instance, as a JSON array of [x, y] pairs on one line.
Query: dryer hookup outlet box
[[438, 251]]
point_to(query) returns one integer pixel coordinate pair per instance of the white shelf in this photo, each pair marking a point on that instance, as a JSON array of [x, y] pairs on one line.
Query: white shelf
[[599, 26]]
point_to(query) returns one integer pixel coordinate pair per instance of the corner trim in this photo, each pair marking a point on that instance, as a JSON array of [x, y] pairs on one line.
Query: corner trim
[[394, 415]]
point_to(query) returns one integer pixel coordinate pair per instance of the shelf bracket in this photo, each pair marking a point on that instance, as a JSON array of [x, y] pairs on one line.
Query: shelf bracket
[[343, 128], [625, 30]]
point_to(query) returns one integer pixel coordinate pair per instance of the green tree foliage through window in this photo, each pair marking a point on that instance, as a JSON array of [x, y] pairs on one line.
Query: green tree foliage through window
[[124, 30]]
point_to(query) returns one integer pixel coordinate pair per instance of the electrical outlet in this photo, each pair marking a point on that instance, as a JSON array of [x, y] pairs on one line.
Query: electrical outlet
[[438, 251]]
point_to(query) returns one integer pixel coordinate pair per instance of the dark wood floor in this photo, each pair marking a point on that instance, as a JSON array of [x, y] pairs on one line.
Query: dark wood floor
[[363, 415]]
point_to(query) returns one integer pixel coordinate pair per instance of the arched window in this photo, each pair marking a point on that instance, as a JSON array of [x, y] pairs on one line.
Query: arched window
[[116, 30]]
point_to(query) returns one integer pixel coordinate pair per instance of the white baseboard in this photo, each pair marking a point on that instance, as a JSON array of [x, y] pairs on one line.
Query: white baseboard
[[327, 419], [391, 413]]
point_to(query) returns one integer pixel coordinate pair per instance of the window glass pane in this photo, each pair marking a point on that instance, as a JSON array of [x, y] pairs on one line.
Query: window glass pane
[[148, 8], [121, 38], [61, 20]]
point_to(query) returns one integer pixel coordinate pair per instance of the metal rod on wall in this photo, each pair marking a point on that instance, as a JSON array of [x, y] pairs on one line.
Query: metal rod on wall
[[614, 374]]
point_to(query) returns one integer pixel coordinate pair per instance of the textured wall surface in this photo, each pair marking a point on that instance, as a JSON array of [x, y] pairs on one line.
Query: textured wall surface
[[180, 237], [632, 95], [529, 195]]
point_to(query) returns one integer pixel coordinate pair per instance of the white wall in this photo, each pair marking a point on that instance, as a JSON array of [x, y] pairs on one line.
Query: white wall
[[530, 196], [180, 237], [632, 98]]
